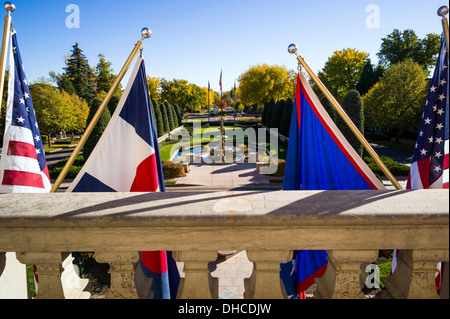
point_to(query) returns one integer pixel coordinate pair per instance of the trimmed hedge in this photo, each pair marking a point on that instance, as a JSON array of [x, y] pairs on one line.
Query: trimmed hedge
[[173, 170], [397, 169], [55, 169]]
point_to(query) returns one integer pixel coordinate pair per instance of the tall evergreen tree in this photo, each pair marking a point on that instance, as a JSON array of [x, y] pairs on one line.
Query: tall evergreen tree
[[115, 99], [277, 113], [352, 105], [164, 117], [79, 72], [369, 77], [158, 120], [99, 128], [264, 114], [328, 107], [270, 112], [285, 123], [178, 112], [169, 115], [105, 77], [174, 116]]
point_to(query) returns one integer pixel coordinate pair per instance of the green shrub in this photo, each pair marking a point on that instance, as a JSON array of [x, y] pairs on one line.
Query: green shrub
[[173, 170], [55, 169], [63, 141], [397, 169], [280, 168], [72, 173]]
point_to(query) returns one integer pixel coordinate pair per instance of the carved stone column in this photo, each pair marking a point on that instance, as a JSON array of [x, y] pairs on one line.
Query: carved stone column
[[122, 265], [48, 270], [414, 276], [265, 281], [2, 262], [343, 277], [424, 272], [198, 282]]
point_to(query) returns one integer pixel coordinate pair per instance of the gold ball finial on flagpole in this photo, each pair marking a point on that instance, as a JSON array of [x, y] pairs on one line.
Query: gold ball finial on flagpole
[[146, 33], [442, 11], [292, 48], [10, 7]]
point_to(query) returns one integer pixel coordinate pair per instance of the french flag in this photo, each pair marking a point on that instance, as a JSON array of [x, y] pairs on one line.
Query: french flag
[[127, 159], [318, 158]]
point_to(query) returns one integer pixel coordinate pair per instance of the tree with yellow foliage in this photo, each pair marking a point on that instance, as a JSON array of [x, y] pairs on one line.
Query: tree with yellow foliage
[[261, 83], [342, 72], [153, 85]]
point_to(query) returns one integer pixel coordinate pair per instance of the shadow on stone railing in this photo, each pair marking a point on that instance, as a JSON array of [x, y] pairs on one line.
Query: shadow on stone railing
[[351, 225]]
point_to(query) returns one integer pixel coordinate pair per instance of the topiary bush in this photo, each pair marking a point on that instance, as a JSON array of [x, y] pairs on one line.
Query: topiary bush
[[353, 107], [165, 119], [173, 170], [97, 132], [286, 116]]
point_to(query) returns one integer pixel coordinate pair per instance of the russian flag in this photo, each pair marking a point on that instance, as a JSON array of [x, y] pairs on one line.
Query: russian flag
[[127, 159], [318, 158]]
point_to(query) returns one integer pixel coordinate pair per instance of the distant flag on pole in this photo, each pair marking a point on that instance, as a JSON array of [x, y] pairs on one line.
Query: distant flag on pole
[[318, 158], [430, 162], [220, 81], [208, 86], [23, 168], [127, 159]]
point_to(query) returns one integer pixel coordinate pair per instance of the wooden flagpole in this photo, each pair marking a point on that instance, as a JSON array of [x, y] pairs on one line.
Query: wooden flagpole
[[6, 32], [146, 33], [442, 11], [293, 49]]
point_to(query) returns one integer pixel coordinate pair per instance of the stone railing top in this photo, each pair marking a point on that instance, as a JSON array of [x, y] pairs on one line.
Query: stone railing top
[[238, 219], [228, 208]]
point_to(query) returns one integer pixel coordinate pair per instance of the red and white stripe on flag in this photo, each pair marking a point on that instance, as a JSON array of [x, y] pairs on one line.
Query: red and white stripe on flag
[[23, 167]]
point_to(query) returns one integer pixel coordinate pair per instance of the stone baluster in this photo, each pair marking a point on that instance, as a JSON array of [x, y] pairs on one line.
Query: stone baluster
[[122, 265], [48, 270], [197, 282], [343, 277], [2, 262], [424, 272], [414, 276], [265, 281]]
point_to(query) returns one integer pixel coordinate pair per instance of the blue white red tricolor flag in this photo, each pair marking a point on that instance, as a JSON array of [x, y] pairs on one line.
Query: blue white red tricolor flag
[[23, 168], [429, 167], [318, 158], [127, 159]]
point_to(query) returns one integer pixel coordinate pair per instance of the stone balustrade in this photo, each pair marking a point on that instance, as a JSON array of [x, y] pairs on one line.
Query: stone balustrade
[[351, 225]]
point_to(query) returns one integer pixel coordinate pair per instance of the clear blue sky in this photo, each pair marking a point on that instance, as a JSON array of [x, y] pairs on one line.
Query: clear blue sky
[[195, 39]]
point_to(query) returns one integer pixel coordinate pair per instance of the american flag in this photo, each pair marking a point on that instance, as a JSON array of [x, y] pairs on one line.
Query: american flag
[[429, 168], [23, 168]]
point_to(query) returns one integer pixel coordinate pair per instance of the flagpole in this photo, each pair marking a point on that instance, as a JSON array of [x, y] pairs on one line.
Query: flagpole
[[209, 112], [293, 50], [146, 33], [9, 7], [442, 11]]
